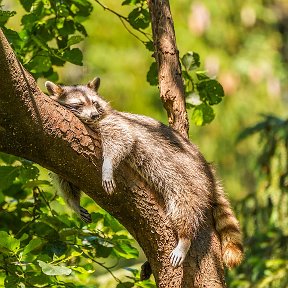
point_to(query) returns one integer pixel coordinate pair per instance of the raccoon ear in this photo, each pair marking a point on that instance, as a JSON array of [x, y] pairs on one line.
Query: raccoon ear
[[53, 89], [94, 84]]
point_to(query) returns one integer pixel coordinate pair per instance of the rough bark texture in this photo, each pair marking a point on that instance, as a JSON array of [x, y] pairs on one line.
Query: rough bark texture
[[169, 68], [36, 128]]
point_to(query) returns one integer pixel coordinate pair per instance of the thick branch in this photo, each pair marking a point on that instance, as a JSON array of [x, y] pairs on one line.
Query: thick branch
[[36, 128], [169, 68]]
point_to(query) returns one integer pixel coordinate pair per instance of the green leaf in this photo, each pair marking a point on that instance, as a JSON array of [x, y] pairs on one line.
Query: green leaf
[[7, 175], [13, 38], [38, 64], [74, 40], [11, 281], [27, 4], [39, 280], [210, 91], [102, 251], [5, 15], [7, 158], [81, 29], [149, 46], [82, 270], [9, 242], [201, 75], [32, 245], [53, 270], [29, 20], [202, 114], [126, 251], [191, 61], [28, 171], [74, 56], [111, 222], [68, 28], [152, 74], [139, 18], [35, 183]]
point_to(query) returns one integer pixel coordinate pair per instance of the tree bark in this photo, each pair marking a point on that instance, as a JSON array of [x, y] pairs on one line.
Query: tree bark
[[34, 127], [169, 68]]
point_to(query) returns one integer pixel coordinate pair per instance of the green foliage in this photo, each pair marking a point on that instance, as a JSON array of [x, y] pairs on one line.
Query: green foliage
[[49, 30], [266, 233], [45, 247], [201, 91]]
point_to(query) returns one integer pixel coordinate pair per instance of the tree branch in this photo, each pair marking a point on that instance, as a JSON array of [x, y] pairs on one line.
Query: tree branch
[[36, 128], [169, 69]]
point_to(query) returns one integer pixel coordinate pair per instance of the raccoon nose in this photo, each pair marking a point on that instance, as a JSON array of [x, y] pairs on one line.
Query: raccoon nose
[[94, 115]]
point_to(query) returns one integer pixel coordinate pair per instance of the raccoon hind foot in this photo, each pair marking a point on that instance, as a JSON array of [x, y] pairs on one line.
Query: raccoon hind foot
[[85, 215], [178, 255]]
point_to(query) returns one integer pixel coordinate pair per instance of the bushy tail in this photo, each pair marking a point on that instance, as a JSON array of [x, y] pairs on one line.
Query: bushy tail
[[228, 228]]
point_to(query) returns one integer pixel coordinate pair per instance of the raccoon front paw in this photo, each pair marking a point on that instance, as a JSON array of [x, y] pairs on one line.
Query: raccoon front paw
[[85, 215], [108, 185]]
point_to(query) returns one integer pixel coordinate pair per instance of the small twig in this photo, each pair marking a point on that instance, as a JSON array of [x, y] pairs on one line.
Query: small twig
[[125, 20]]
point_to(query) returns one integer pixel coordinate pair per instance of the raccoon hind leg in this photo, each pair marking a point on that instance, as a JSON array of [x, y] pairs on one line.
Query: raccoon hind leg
[[71, 195]]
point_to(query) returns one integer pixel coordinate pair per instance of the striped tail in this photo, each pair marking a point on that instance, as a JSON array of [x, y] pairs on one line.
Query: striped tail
[[228, 228]]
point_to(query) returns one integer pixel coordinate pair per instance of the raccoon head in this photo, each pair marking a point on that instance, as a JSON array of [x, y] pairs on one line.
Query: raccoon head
[[82, 100]]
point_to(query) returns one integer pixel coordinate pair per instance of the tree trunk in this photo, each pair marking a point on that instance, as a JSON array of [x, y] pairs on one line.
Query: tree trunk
[[35, 127]]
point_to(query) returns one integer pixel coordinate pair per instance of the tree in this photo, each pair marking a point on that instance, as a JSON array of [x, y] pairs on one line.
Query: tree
[[30, 119]]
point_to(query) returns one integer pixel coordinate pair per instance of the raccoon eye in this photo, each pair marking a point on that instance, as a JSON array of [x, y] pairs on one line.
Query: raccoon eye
[[77, 105], [96, 104]]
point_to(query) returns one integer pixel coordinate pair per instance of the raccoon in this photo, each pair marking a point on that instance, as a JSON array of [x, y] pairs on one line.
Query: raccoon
[[168, 162]]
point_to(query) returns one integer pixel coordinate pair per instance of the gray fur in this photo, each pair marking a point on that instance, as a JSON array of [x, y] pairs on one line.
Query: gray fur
[[169, 163]]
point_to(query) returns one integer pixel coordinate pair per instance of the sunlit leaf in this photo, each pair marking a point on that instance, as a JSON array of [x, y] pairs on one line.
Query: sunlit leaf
[[32, 245], [74, 40], [126, 251], [51, 269], [9, 242], [202, 114], [191, 61], [82, 270]]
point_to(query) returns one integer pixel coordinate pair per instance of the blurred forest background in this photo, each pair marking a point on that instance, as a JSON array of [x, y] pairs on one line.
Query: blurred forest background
[[244, 44]]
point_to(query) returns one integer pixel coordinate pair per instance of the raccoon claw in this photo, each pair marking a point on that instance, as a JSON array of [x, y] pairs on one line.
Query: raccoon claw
[[85, 215], [109, 186], [176, 257]]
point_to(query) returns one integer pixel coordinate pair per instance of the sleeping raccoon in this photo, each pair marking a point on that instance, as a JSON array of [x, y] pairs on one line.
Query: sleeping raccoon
[[169, 163]]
